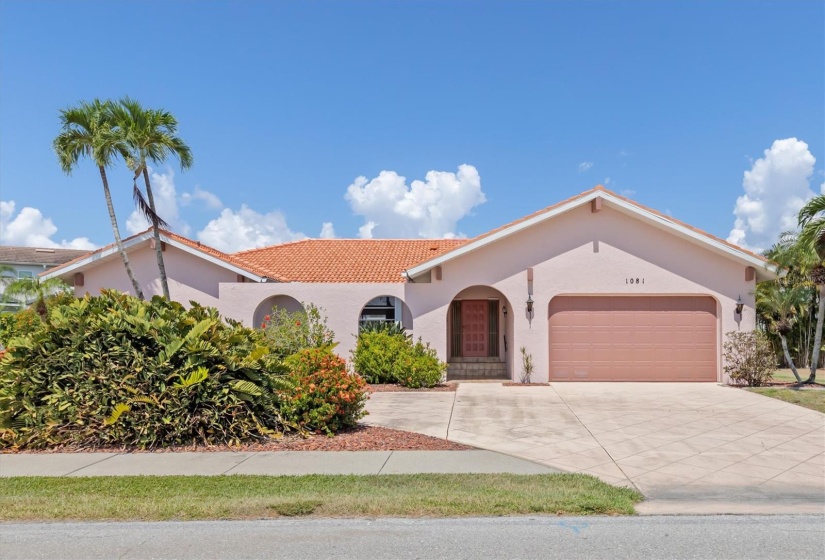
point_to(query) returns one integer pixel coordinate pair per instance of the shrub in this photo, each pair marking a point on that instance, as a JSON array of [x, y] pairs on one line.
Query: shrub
[[27, 320], [321, 395], [749, 358], [376, 353], [388, 327], [116, 371], [288, 333], [381, 357], [419, 366]]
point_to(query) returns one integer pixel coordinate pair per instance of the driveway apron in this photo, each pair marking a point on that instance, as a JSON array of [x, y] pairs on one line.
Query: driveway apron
[[688, 447]]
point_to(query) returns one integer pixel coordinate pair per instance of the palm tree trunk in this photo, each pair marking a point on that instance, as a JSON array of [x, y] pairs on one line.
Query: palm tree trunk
[[116, 231], [820, 316], [156, 230], [788, 358]]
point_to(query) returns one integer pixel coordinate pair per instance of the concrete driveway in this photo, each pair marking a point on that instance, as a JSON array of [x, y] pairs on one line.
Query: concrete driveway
[[688, 447]]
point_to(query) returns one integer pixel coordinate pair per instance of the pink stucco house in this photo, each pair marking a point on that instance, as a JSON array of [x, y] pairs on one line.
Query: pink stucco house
[[596, 288]]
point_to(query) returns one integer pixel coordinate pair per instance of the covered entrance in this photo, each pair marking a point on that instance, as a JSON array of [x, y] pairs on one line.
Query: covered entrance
[[633, 338], [478, 335]]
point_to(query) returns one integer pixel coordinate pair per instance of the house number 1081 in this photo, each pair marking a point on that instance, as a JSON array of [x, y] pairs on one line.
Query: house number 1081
[[634, 280]]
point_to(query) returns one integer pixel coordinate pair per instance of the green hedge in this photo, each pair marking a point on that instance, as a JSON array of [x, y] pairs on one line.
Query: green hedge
[[385, 357], [116, 371]]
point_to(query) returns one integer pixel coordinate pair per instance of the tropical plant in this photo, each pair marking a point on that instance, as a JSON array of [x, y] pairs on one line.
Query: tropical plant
[[749, 358], [290, 332], [781, 306], [526, 365], [321, 394], [388, 327], [151, 137], [812, 241], [28, 290], [112, 370], [88, 131]]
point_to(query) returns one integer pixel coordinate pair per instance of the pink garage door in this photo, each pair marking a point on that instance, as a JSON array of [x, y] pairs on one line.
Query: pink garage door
[[645, 338]]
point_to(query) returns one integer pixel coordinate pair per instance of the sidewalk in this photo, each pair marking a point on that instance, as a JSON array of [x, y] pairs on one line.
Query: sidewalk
[[274, 463]]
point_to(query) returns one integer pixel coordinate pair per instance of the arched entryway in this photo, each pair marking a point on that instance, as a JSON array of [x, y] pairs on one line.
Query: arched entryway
[[386, 309], [479, 335], [265, 308]]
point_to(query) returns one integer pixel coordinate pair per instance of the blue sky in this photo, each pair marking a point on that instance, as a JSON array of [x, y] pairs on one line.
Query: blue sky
[[286, 104]]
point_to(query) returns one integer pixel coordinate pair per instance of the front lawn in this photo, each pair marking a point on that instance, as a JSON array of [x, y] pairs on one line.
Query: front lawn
[[807, 397], [252, 497]]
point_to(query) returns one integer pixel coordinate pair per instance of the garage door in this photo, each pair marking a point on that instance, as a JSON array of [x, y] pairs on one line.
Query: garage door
[[641, 338]]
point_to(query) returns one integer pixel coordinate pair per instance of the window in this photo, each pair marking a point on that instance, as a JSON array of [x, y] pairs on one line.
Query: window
[[25, 274], [384, 309]]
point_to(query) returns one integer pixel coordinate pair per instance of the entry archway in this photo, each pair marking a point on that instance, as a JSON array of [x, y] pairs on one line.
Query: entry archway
[[386, 309], [281, 301]]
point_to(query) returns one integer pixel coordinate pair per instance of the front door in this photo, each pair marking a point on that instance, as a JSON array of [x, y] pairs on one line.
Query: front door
[[474, 328]]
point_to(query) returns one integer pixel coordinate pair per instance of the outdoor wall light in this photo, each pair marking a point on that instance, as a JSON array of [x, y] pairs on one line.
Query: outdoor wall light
[[739, 305], [504, 310], [529, 305]]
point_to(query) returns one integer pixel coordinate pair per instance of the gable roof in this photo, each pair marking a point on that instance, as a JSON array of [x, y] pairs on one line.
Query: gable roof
[[611, 199], [231, 262], [37, 255], [347, 260]]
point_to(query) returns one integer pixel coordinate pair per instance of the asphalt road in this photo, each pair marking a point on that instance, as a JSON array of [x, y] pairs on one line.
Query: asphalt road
[[693, 537]]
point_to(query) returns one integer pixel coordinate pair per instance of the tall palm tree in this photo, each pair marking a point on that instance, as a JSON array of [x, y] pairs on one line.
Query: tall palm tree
[[781, 306], [26, 290], [812, 241], [152, 137], [87, 131]]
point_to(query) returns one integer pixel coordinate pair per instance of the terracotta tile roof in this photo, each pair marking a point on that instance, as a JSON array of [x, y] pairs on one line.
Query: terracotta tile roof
[[347, 260], [37, 255], [230, 259]]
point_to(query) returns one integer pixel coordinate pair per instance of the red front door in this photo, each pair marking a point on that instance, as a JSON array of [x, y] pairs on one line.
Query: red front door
[[474, 328]]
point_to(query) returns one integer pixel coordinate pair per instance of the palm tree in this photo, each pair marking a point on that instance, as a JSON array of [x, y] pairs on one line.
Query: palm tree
[[781, 306], [812, 242], [26, 290], [87, 131], [151, 136]]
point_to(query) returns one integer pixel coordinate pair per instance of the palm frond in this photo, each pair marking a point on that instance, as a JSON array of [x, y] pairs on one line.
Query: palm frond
[[145, 210]]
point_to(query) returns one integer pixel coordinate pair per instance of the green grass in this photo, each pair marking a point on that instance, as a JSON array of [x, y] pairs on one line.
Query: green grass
[[809, 398], [250, 497]]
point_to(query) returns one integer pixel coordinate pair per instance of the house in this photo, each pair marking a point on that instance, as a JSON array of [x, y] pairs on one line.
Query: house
[[595, 288], [28, 262]]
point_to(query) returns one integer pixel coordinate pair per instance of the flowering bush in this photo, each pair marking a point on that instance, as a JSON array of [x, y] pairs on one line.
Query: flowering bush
[[287, 333], [749, 358], [321, 395]]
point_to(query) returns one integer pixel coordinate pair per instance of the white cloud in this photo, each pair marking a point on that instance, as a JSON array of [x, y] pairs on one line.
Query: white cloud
[[210, 199], [627, 193], [776, 187], [166, 203], [327, 231], [606, 181], [429, 208], [29, 228], [247, 229], [584, 166]]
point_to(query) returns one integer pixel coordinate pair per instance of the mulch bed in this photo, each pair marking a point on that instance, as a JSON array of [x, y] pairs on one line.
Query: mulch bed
[[392, 388], [360, 438], [517, 384]]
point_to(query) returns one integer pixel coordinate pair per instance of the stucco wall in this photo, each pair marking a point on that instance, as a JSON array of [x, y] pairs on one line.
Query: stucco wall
[[190, 277], [581, 253]]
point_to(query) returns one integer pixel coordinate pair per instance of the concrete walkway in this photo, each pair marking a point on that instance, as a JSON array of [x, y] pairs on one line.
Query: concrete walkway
[[265, 463], [688, 447]]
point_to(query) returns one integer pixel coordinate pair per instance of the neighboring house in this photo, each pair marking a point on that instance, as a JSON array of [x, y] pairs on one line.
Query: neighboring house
[[28, 262], [596, 288]]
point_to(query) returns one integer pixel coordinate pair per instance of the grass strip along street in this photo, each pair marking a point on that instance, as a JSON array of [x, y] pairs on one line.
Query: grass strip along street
[[252, 497]]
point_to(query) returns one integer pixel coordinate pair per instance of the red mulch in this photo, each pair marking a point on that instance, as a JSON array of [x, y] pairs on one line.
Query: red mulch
[[517, 384], [360, 438], [392, 388]]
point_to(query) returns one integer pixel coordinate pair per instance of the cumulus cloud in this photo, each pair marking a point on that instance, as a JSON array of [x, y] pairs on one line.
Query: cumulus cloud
[[584, 166], [166, 203], [211, 200], [429, 208], [776, 187], [29, 228], [247, 229], [327, 231]]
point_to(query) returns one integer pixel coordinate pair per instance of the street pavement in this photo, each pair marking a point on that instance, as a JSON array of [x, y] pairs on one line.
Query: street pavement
[[613, 538], [688, 447]]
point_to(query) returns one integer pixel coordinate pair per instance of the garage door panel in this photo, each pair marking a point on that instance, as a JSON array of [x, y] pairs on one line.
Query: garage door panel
[[647, 338]]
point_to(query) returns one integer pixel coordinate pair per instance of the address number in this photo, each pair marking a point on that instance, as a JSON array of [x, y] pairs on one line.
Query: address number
[[634, 280]]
